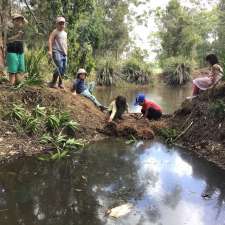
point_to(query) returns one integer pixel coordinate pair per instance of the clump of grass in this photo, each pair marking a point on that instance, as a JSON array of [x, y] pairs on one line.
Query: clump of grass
[[34, 68], [54, 126], [168, 134], [132, 140]]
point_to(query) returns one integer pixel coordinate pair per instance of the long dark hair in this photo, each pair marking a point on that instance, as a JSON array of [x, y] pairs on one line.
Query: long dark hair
[[212, 59], [121, 105]]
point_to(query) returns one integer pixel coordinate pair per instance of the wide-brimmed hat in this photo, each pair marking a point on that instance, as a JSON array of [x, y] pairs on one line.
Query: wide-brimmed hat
[[17, 16], [81, 71], [60, 19], [139, 99]]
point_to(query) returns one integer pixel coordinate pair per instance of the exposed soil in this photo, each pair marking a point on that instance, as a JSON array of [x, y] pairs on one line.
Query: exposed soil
[[92, 122], [204, 122]]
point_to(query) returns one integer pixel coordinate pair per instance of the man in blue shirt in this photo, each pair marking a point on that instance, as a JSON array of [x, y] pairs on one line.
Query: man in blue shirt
[[79, 87]]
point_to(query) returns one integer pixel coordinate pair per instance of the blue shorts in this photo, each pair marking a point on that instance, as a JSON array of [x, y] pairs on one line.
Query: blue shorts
[[60, 61]]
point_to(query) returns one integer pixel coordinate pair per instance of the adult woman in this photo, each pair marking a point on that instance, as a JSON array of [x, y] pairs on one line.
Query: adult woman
[[15, 48], [212, 79]]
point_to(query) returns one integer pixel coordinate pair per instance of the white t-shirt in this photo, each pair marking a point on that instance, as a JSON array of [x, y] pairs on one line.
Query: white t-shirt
[[60, 41]]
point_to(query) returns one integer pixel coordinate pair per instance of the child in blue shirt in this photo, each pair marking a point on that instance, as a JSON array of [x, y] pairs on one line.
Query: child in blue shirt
[[79, 87]]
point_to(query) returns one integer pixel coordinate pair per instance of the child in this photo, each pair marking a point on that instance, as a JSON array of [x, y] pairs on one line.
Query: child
[[57, 50], [15, 49], [214, 77], [79, 87], [149, 109], [117, 108]]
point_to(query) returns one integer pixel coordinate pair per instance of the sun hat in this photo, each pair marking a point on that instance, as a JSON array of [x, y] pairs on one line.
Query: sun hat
[[81, 71], [60, 19], [17, 16], [139, 99]]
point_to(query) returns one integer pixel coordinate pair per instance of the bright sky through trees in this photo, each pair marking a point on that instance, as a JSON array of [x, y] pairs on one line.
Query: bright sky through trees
[[142, 33]]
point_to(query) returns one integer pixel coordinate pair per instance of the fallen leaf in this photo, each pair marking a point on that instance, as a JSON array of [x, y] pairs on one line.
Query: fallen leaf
[[78, 190], [84, 178], [119, 211]]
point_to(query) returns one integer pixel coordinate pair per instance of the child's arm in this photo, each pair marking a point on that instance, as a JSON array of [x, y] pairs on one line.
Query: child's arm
[[113, 111], [50, 42]]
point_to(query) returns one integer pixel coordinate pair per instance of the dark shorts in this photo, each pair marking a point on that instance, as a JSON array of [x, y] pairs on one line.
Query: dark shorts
[[154, 114]]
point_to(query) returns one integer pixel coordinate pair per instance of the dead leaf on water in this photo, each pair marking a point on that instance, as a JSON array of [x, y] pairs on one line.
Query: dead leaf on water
[[84, 178], [119, 211], [78, 190]]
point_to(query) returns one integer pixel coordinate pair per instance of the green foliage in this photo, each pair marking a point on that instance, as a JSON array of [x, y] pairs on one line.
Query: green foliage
[[39, 121], [39, 111], [34, 61], [18, 112], [190, 32], [107, 69], [132, 140], [136, 69], [53, 122], [168, 134], [136, 62], [176, 31], [95, 28], [177, 70], [217, 109], [29, 123], [34, 64], [62, 144]]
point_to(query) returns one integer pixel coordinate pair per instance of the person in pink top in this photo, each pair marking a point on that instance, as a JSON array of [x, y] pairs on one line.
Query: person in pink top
[[150, 109], [212, 79]]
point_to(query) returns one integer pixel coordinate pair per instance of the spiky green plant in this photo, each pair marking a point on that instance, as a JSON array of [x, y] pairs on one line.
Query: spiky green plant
[[31, 124], [168, 134], [39, 111], [18, 112], [53, 122]]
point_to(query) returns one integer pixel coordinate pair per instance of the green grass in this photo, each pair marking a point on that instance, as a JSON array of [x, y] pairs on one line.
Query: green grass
[[49, 127]]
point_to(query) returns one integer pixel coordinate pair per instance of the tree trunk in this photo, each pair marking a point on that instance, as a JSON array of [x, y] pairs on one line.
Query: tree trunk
[[5, 14]]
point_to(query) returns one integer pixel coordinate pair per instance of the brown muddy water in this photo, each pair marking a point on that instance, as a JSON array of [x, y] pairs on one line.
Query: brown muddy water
[[169, 98], [165, 185]]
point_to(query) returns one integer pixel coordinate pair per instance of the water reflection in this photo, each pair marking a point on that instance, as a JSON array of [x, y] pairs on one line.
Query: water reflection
[[169, 98], [164, 184]]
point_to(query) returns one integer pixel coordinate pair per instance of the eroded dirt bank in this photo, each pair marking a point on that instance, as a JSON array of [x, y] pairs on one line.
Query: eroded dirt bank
[[92, 122], [201, 123]]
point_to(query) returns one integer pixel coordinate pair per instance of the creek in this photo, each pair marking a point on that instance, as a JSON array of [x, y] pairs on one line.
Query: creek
[[165, 185]]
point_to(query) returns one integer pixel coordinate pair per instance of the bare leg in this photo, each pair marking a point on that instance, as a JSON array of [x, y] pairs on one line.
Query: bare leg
[[196, 90], [12, 78], [18, 78]]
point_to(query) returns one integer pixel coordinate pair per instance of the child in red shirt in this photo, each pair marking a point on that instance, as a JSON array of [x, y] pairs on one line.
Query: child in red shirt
[[149, 109]]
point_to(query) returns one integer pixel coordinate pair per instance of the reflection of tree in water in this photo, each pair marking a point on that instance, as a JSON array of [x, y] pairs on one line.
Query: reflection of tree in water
[[59, 193], [173, 198], [213, 177]]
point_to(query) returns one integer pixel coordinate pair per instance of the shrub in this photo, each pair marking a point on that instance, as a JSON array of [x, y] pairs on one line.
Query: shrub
[[35, 65], [176, 70], [136, 71], [168, 134], [107, 71]]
